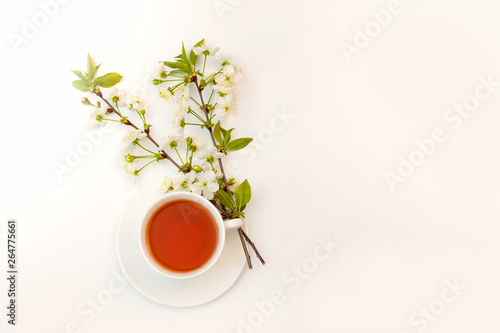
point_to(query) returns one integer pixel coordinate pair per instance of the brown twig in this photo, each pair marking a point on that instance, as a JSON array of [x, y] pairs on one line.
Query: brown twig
[[253, 247], [222, 210], [249, 261], [163, 152]]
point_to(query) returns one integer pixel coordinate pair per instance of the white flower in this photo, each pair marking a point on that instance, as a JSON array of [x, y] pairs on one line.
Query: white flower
[[228, 70], [206, 184], [234, 185], [97, 116], [178, 124], [127, 161], [130, 176], [173, 183], [165, 93], [223, 59], [207, 49], [138, 106], [226, 80], [210, 152], [196, 144], [132, 137], [223, 103], [130, 100], [208, 156], [115, 95], [182, 93], [223, 89], [172, 140], [191, 177], [181, 110], [159, 69], [225, 108]]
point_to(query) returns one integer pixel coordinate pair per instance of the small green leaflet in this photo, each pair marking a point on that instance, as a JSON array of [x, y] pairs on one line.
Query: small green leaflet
[[243, 195], [80, 85], [217, 134], [91, 68], [108, 80], [79, 74], [239, 143], [224, 198]]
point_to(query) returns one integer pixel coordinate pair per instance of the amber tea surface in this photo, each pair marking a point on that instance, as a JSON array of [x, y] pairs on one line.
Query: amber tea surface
[[181, 235]]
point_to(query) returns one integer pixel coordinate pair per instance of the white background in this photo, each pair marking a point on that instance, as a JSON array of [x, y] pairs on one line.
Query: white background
[[322, 175]]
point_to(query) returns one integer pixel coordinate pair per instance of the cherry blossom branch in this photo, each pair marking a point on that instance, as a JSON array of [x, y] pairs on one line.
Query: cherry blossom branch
[[205, 111], [127, 122], [243, 235]]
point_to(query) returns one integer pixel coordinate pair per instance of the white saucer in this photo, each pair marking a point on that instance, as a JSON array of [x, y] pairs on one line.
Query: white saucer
[[174, 292]]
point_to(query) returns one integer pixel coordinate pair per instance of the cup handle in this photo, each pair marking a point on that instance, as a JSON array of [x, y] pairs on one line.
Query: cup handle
[[233, 224]]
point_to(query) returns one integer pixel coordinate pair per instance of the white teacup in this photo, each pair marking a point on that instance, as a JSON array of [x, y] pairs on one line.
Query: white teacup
[[222, 227]]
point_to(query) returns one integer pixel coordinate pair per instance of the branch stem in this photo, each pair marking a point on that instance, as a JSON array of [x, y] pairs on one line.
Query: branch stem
[[249, 261], [163, 152], [253, 247]]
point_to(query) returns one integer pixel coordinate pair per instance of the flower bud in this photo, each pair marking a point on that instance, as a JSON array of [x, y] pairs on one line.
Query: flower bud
[[197, 168], [86, 101]]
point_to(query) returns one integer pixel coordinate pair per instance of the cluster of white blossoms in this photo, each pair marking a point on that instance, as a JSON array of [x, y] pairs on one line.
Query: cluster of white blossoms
[[202, 183], [225, 83], [206, 49], [126, 157], [203, 179], [198, 171], [224, 80], [117, 98], [97, 116]]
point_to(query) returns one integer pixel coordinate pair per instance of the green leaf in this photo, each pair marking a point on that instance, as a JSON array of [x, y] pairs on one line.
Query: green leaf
[[91, 68], [184, 54], [193, 58], [217, 133], [224, 198], [79, 74], [175, 72], [185, 68], [171, 64], [239, 143], [108, 80], [227, 135], [199, 43], [243, 195], [80, 85]]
